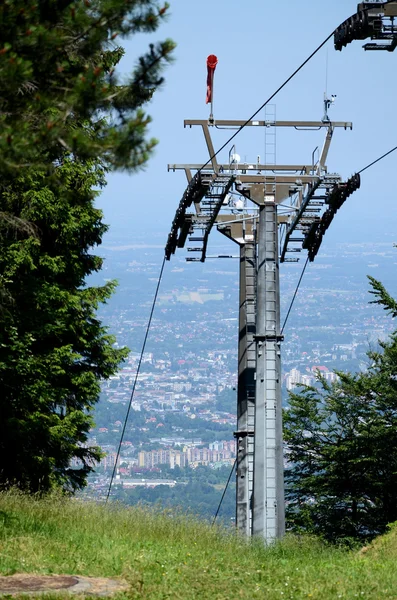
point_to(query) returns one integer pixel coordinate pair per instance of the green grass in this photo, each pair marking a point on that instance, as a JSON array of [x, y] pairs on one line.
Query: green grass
[[168, 556]]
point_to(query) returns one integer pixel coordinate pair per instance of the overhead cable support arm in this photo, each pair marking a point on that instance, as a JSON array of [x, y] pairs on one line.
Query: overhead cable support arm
[[210, 190]]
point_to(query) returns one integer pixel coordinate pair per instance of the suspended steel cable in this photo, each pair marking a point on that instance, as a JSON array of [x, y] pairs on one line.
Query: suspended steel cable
[[377, 160], [282, 86], [294, 296], [267, 101], [224, 492], [307, 260], [136, 378]]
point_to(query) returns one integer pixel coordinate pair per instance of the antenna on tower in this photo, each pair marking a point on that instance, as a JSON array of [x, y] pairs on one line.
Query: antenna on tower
[[328, 102]]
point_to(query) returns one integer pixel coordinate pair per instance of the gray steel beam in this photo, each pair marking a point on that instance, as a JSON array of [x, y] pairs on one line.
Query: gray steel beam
[[295, 124], [325, 149], [246, 389], [210, 147], [250, 177], [268, 494], [307, 169]]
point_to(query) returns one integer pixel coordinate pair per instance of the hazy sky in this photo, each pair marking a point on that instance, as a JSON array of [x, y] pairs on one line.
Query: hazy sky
[[259, 44]]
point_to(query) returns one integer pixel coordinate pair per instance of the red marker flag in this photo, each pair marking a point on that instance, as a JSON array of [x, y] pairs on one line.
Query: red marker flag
[[212, 61]]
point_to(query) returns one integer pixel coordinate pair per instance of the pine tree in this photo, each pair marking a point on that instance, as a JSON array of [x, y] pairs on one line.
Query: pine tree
[[65, 122], [59, 92], [341, 439]]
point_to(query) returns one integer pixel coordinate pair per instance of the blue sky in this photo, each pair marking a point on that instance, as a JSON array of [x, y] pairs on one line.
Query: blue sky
[[259, 44]]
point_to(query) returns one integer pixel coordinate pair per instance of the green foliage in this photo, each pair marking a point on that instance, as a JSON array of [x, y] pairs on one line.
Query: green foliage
[[341, 481], [65, 121], [53, 348], [58, 86], [164, 554]]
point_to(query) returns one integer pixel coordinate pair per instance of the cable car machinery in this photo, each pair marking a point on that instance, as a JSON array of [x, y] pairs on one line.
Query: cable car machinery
[[255, 205], [375, 20]]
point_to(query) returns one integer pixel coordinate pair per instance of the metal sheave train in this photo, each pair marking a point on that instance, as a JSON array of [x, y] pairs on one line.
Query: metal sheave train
[[336, 198], [375, 20]]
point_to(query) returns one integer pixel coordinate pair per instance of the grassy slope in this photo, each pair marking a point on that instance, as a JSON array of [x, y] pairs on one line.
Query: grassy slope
[[167, 557]]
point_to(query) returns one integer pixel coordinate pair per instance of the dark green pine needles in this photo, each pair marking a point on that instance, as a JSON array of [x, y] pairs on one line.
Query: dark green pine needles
[[341, 441], [65, 122]]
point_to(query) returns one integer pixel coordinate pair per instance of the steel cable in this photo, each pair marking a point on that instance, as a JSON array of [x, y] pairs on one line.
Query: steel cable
[[282, 86], [294, 296], [377, 160], [136, 378], [224, 492]]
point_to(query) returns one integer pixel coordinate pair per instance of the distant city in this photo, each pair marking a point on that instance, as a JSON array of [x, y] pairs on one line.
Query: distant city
[[183, 410]]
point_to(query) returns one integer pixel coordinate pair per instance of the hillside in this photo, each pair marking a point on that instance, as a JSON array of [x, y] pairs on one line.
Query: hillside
[[168, 556]]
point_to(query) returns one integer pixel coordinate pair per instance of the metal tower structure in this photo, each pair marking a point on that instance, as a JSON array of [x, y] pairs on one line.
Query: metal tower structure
[[274, 212]]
